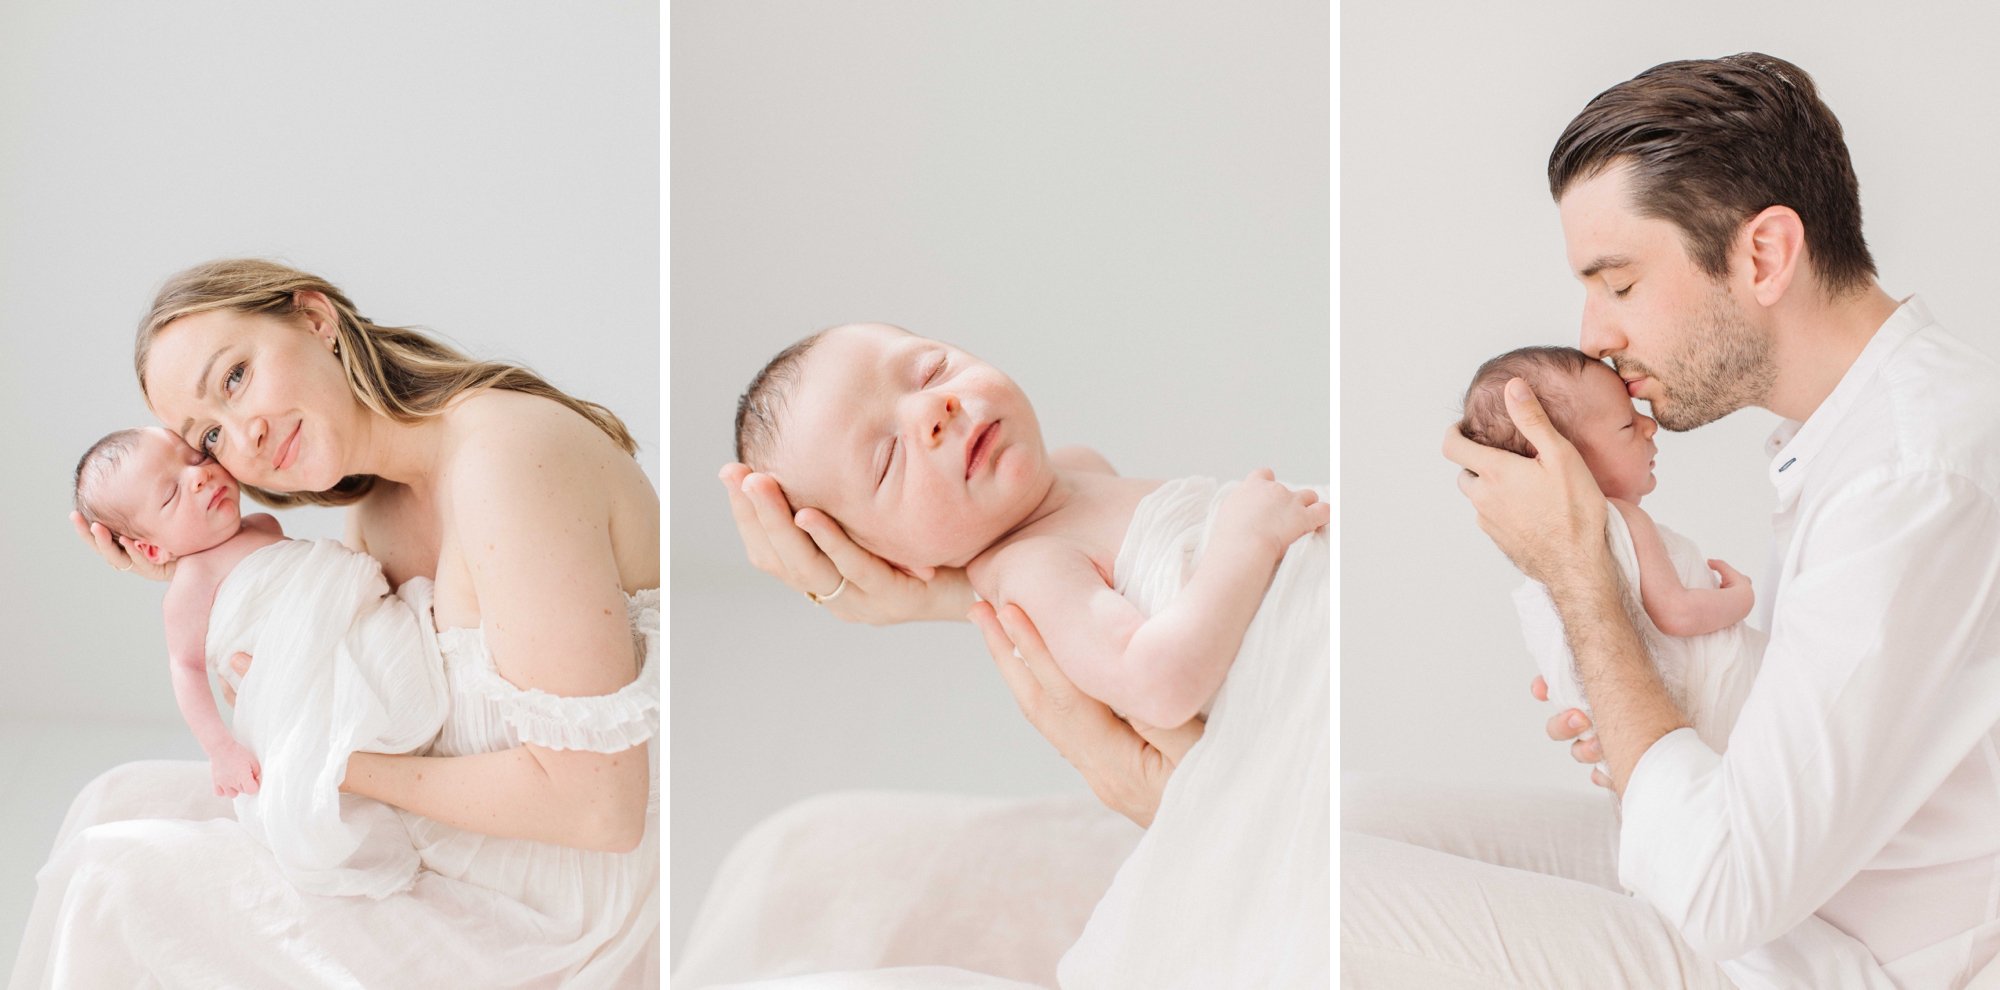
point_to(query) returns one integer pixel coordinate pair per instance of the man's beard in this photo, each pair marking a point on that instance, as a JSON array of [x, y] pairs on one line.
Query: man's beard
[[1724, 365]]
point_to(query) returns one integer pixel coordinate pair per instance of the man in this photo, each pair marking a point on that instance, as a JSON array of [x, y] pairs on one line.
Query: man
[[1848, 837]]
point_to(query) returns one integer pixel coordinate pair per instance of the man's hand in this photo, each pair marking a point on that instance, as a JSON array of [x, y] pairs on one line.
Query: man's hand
[[1566, 726], [1545, 513], [1126, 766]]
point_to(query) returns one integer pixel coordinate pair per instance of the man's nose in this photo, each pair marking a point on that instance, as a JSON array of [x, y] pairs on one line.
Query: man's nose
[[1598, 334]]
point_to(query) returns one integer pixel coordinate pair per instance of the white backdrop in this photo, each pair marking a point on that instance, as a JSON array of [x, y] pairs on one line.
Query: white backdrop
[[488, 170], [1122, 204], [1451, 252]]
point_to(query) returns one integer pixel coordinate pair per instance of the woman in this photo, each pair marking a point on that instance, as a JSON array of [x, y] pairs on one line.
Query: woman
[[537, 812]]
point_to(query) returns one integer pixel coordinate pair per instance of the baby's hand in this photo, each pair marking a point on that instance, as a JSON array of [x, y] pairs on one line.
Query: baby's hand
[[235, 771], [1737, 587], [1267, 513]]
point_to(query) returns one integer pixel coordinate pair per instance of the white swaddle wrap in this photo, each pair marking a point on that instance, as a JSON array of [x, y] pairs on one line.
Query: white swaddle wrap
[[1228, 888], [341, 666], [1708, 676]]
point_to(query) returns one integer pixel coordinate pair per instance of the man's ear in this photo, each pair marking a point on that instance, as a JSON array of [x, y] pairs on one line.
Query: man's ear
[[1774, 244]]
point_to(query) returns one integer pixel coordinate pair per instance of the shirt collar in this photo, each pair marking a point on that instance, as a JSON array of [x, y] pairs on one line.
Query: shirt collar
[[1793, 444]]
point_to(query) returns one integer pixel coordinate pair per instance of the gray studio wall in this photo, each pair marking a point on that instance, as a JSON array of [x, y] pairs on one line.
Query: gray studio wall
[[487, 170], [1451, 252], [1123, 205]]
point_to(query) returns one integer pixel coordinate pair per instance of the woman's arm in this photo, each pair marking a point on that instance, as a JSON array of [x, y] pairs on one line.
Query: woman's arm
[[529, 508]]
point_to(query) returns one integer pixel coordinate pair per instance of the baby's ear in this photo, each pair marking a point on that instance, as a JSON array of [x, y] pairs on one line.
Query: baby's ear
[[150, 551]]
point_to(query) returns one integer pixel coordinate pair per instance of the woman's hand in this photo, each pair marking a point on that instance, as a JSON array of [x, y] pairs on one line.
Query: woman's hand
[[99, 538], [1566, 726], [1126, 765], [240, 663], [810, 553]]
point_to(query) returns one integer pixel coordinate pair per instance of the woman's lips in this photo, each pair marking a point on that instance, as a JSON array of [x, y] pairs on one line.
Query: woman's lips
[[976, 451], [289, 452]]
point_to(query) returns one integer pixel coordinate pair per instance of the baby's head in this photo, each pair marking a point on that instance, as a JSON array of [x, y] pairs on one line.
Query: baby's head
[[925, 454], [160, 497], [1587, 403]]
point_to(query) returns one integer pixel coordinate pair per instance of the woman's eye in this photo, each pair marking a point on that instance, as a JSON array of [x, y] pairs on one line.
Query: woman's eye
[[233, 379], [209, 438]]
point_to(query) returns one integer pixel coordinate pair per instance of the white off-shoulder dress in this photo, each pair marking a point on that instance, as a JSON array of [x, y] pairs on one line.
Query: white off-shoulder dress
[[153, 882]]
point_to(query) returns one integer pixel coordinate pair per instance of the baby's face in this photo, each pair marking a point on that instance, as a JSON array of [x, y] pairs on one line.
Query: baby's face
[[1615, 439], [925, 454], [178, 501]]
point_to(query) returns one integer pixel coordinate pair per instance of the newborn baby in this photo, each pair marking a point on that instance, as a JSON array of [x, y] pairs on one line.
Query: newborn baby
[[342, 665], [930, 457], [1692, 624]]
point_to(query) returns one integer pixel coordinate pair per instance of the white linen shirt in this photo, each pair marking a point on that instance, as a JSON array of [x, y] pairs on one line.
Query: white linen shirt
[[1856, 815]]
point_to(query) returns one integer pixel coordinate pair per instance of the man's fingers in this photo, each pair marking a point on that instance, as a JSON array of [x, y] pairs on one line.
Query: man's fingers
[[1539, 688], [1475, 456], [1586, 750], [1597, 777], [1530, 418], [1566, 724]]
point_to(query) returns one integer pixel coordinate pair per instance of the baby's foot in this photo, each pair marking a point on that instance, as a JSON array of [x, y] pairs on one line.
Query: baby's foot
[[235, 771]]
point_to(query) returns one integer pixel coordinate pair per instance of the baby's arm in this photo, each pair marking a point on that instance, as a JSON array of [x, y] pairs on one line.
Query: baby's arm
[[1675, 608], [1161, 670], [231, 764]]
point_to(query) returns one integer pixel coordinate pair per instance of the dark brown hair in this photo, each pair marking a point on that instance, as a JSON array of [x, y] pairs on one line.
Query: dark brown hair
[[1485, 418], [1712, 143]]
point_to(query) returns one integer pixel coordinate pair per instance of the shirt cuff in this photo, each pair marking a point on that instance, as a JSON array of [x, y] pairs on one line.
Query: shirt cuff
[[1665, 845]]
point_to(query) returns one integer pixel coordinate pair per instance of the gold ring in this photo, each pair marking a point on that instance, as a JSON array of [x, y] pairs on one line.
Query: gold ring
[[823, 599]]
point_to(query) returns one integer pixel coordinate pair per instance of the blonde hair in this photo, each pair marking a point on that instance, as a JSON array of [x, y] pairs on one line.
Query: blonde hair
[[398, 372]]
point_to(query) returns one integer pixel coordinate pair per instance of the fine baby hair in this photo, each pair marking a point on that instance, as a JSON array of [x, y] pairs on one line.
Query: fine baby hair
[[1548, 370], [92, 494]]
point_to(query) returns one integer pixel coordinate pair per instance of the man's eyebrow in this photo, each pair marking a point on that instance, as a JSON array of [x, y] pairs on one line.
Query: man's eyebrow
[[1603, 262]]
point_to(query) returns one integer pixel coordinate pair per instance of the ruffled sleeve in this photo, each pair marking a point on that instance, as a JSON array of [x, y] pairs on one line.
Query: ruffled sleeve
[[607, 723]]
